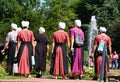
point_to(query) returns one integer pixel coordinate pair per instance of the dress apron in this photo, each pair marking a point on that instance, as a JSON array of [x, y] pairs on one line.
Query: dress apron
[[21, 53], [59, 62]]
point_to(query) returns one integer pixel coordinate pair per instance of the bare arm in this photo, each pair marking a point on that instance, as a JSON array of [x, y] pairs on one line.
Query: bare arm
[[110, 50], [53, 45], [72, 41], [5, 46], [93, 50], [18, 45], [34, 44], [68, 43], [47, 49]]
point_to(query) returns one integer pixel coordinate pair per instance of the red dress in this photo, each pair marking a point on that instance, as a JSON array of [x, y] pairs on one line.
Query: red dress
[[25, 51], [107, 41], [59, 63]]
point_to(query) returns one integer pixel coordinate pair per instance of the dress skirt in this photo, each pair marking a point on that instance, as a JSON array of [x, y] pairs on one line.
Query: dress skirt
[[77, 61], [59, 61], [11, 55], [40, 57], [24, 58], [99, 64]]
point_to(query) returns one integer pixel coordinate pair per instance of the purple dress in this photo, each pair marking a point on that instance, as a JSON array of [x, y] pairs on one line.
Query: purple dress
[[77, 58]]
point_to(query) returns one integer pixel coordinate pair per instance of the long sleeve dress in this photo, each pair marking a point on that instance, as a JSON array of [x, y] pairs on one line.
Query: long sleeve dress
[[11, 38]]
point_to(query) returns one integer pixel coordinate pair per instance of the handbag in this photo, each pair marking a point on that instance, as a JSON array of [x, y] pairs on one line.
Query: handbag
[[33, 59], [15, 67]]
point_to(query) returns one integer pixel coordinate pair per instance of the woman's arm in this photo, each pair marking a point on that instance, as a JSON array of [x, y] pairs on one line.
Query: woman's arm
[[53, 45], [93, 50], [71, 42], [5, 46], [47, 49], [34, 44], [18, 45]]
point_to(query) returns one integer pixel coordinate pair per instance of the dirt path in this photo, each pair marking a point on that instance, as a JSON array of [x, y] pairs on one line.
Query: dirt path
[[44, 80]]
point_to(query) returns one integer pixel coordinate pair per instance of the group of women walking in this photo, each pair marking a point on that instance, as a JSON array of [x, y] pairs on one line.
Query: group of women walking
[[25, 43], [59, 60]]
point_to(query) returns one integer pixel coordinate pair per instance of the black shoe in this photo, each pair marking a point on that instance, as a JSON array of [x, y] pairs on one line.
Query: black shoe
[[95, 78], [9, 73], [80, 78], [104, 79], [72, 77], [38, 75]]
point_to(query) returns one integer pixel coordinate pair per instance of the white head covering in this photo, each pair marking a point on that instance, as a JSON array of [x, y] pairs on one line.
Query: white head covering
[[41, 29], [19, 29], [25, 24], [77, 23], [103, 29], [61, 25], [13, 26]]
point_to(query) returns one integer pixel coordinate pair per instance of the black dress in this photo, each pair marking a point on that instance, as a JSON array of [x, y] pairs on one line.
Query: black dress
[[40, 51], [11, 55]]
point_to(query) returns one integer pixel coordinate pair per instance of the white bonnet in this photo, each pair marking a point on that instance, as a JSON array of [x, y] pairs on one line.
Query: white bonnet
[[19, 29], [41, 29], [25, 23], [13, 26], [103, 29], [61, 25], [77, 23]]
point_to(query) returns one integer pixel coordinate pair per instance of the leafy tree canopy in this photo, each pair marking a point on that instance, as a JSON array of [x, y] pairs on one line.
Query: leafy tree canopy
[[51, 12]]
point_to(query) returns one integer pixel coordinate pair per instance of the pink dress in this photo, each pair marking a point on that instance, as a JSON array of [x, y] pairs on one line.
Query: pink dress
[[25, 51], [77, 63]]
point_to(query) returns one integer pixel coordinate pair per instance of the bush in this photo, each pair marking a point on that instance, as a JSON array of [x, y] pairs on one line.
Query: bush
[[89, 72], [2, 71]]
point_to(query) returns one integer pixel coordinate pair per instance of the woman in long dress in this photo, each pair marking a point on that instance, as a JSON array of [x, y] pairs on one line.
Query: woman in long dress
[[41, 51], [25, 44], [11, 44], [59, 61], [98, 55], [77, 55]]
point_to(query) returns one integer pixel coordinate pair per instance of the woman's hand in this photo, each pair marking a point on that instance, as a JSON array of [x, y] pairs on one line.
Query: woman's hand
[[47, 54], [72, 51], [92, 55], [3, 52]]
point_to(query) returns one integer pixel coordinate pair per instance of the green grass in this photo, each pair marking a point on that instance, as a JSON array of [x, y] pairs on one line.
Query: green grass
[[12, 77]]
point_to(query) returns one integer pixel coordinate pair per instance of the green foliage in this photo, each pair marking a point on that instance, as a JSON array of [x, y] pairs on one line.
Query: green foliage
[[85, 58], [56, 11], [16, 11], [89, 72], [108, 15], [51, 12], [33, 72], [9, 77], [2, 71], [3, 32]]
